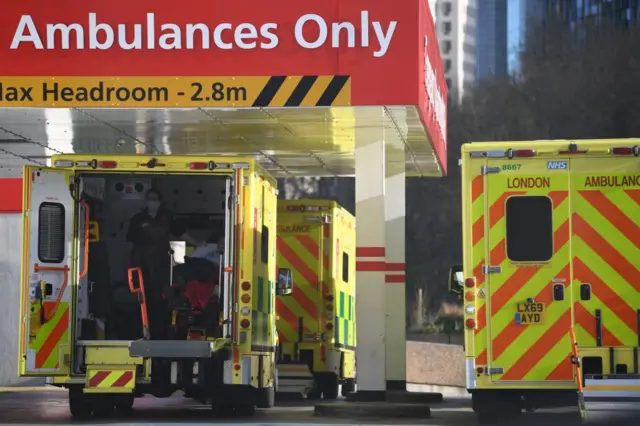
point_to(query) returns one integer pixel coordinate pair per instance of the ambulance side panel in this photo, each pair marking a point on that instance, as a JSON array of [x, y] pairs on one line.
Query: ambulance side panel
[[605, 200], [48, 272], [344, 290], [263, 243]]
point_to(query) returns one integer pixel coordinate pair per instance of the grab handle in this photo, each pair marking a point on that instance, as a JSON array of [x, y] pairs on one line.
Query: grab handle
[[135, 277], [87, 216]]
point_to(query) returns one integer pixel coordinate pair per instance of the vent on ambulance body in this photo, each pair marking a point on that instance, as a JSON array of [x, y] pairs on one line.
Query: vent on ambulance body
[[573, 149], [626, 150]]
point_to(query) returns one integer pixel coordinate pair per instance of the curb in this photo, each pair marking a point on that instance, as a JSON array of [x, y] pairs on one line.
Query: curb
[[414, 397], [368, 410], [28, 389]]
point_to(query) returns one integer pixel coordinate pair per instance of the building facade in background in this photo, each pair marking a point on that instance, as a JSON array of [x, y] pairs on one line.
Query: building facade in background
[[502, 28], [491, 38], [456, 32], [619, 13]]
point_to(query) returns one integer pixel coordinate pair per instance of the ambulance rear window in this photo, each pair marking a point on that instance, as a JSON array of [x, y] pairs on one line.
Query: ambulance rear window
[[51, 233], [529, 229]]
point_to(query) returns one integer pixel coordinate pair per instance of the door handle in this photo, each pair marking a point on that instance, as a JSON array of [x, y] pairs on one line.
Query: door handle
[[558, 292]]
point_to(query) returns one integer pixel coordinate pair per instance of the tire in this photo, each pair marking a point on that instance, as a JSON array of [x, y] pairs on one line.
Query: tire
[[266, 398], [330, 386], [79, 404], [124, 402], [348, 386], [244, 410], [103, 406]]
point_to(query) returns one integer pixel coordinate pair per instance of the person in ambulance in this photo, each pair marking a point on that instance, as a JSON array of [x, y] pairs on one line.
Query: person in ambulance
[[148, 237]]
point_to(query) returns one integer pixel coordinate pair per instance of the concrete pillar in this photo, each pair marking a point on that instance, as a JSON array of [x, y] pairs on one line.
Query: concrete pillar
[[370, 253], [395, 278]]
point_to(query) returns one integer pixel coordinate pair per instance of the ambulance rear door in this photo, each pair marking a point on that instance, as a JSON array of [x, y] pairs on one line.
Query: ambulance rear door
[[47, 271], [527, 270], [300, 248], [605, 199]]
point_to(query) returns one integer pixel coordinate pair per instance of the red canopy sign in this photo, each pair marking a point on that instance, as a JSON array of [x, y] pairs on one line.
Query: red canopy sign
[[380, 45]]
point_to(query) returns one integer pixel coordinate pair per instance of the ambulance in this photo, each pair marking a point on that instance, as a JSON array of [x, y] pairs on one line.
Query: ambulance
[[84, 315], [317, 323], [550, 278]]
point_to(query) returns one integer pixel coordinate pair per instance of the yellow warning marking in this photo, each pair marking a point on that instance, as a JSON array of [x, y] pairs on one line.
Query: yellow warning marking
[[167, 92]]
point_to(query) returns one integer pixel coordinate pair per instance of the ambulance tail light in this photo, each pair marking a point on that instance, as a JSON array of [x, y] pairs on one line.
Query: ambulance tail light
[[245, 323], [329, 298], [198, 166], [626, 150], [470, 283], [470, 323], [201, 165], [107, 164], [521, 153]]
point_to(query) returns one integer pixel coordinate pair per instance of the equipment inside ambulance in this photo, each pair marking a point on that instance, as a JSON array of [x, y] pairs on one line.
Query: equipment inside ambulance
[[165, 292]]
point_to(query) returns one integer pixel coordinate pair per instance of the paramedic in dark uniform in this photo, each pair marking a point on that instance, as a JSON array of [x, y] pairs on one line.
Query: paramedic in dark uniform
[[150, 232]]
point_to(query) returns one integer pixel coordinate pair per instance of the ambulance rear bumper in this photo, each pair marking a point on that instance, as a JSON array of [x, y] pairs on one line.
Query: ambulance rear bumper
[[175, 349], [618, 389]]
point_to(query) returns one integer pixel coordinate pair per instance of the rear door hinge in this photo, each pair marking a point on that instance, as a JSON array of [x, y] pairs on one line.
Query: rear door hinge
[[485, 170], [487, 269], [495, 370]]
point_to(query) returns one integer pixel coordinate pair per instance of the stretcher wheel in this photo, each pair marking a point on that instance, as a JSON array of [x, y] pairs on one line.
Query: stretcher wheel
[[79, 404]]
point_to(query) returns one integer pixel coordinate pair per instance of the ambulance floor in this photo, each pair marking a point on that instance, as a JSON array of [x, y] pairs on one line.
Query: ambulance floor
[[36, 406]]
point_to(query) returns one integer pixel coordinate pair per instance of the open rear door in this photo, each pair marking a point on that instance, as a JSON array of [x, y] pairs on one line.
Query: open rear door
[[45, 326]]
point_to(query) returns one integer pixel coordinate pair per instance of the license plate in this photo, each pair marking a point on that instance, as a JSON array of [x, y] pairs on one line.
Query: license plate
[[530, 313]]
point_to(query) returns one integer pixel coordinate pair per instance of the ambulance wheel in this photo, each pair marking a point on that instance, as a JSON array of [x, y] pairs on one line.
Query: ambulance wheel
[[244, 410], [103, 405], [330, 386], [266, 398], [348, 386], [124, 402], [79, 404]]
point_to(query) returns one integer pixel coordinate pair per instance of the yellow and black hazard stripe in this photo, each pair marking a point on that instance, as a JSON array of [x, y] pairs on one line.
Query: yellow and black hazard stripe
[[110, 381], [305, 91]]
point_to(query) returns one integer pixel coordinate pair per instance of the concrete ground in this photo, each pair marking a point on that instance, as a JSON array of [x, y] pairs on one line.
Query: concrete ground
[[32, 406]]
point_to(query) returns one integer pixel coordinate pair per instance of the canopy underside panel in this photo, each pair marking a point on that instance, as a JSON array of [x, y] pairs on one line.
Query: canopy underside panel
[[288, 142]]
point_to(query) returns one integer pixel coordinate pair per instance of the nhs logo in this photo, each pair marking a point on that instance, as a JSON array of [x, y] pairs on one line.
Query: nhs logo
[[557, 165]]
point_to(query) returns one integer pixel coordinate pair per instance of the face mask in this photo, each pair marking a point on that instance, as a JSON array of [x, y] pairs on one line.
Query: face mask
[[153, 207]]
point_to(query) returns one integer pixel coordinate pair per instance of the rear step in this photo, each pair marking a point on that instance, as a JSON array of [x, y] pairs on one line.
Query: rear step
[[295, 378], [612, 387]]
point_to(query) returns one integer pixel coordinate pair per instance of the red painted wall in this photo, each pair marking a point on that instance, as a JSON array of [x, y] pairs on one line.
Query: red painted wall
[[11, 201]]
